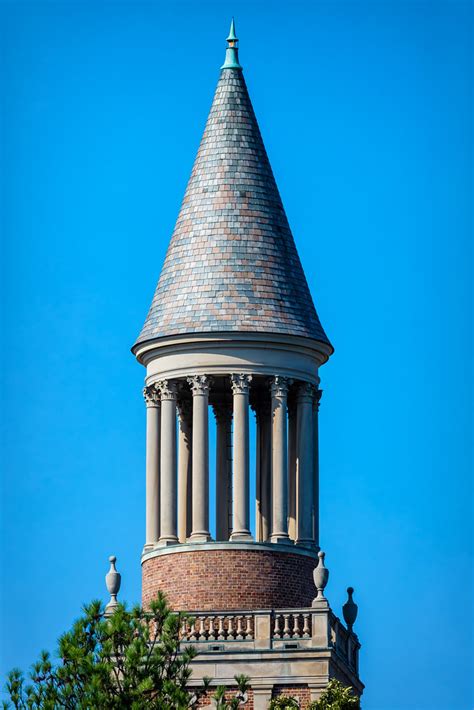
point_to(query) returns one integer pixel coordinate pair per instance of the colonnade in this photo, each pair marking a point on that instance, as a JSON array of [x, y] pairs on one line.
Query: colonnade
[[177, 459]]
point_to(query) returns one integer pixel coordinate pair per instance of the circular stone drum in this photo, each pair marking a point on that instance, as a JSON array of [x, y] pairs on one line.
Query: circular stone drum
[[225, 576]]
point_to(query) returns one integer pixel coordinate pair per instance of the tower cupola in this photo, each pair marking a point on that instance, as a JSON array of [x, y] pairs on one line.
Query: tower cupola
[[232, 329]]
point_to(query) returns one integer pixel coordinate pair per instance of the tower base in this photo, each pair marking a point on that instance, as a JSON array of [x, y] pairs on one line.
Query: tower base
[[230, 575], [290, 652]]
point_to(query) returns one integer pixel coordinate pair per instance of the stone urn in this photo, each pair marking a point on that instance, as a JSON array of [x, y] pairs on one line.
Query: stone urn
[[349, 610], [112, 581], [320, 576]]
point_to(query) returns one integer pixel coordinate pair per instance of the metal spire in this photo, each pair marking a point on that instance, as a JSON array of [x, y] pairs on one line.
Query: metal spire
[[232, 51]]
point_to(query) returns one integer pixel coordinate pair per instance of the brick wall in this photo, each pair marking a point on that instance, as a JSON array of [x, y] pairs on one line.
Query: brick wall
[[206, 701], [301, 692], [230, 579]]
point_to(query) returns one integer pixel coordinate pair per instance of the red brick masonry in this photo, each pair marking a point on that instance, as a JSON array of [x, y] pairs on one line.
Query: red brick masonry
[[204, 580]]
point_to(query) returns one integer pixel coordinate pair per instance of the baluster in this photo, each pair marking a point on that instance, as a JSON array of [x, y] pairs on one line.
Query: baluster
[[239, 636], [212, 633], [184, 629], [193, 632], [286, 627], [277, 627], [231, 627], [221, 630], [295, 626], [248, 627], [202, 631], [306, 626]]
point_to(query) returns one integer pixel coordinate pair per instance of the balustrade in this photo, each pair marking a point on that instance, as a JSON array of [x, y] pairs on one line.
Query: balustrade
[[218, 627], [285, 628]]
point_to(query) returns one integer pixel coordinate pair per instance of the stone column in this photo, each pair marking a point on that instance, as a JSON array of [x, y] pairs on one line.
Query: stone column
[[200, 522], [304, 447], [241, 506], [152, 401], [264, 470], [168, 507], [292, 472], [184, 470], [223, 415], [279, 390], [317, 393]]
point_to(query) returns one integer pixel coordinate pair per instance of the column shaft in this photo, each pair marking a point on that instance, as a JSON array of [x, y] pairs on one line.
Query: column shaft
[[152, 400], [316, 399], [184, 471], [200, 483], [264, 470], [266, 464], [240, 508], [279, 389], [292, 482], [304, 522], [168, 522], [223, 414]]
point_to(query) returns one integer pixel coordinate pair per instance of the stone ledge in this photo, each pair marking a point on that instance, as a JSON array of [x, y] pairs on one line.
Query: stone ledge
[[249, 546]]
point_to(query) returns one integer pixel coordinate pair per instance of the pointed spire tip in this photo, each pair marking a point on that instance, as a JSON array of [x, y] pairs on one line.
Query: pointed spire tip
[[232, 51], [232, 36]]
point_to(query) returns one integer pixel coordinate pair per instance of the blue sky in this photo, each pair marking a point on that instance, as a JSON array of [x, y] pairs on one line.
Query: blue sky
[[366, 113]]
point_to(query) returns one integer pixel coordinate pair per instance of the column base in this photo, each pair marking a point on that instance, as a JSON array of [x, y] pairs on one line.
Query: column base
[[239, 535], [281, 539], [166, 541], [202, 536], [308, 544]]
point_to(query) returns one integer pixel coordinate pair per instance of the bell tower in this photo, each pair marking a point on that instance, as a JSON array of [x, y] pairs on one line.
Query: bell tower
[[232, 329]]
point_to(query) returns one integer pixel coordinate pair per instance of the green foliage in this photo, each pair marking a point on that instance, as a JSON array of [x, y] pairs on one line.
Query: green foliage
[[336, 697], [225, 701], [129, 660], [283, 702]]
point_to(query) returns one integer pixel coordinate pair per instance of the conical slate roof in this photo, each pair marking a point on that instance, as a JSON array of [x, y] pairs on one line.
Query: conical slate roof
[[232, 263]]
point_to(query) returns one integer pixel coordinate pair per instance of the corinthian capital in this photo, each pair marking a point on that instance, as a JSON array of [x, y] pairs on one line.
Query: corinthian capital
[[305, 392], [199, 384], [168, 389], [279, 386], [261, 407], [152, 396], [184, 409], [222, 412], [317, 394], [240, 383]]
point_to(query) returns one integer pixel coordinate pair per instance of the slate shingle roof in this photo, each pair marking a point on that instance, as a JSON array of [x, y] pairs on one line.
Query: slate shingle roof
[[232, 263]]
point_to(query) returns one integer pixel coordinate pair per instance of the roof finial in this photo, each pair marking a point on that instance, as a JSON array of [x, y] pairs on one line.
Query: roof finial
[[232, 51]]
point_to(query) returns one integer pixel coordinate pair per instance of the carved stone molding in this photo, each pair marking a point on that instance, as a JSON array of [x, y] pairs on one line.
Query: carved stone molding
[[261, 408], [279, 386], [223, 412], [305, 392], [185, 409], [152, 396], [240, 383], [168, 389], [199, 384], [317, 394]]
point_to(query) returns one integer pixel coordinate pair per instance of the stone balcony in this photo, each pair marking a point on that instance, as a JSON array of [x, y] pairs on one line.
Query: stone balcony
[[297, 648], [281, 629]]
